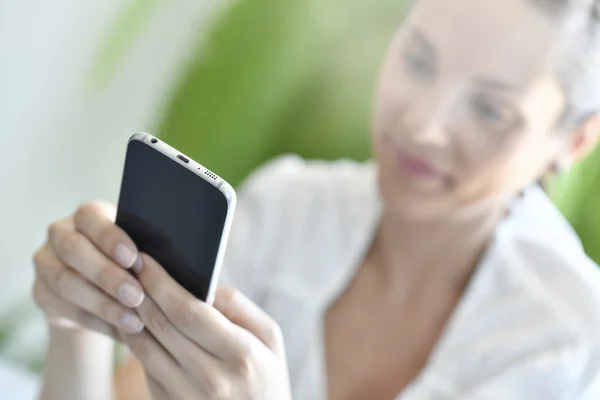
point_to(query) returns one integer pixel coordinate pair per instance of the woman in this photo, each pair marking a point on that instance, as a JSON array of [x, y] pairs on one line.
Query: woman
[[439, 271]]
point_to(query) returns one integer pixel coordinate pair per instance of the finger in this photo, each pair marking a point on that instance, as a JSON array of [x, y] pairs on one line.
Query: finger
[[73, 288], [95, 220], [246, 314], [201, 323], [64, 314], [202, 366], [76, 251], [158, 364]]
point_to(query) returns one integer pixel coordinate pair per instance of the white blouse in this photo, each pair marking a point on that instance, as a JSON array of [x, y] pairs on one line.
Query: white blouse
[[527, 327]]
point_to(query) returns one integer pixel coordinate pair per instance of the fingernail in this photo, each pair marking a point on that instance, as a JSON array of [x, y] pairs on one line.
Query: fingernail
[[130, 295], [125, 256], [137, 265], [131, 323]]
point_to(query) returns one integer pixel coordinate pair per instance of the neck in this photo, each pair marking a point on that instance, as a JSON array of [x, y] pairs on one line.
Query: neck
[[441, 251]]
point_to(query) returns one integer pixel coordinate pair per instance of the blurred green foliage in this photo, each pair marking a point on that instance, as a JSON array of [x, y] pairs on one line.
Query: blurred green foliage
[[282, 76], [577, 195]]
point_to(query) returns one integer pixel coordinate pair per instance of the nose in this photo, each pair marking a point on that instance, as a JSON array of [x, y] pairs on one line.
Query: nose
[[427, 119]]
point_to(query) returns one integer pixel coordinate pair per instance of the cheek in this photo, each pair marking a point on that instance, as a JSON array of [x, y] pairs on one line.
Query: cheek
[[390, 101], [382, 122], [501, 171], [480, 153], [384, 104]]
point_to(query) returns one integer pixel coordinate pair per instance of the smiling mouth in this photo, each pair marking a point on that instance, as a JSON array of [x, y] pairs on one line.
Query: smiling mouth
[[414, 166]]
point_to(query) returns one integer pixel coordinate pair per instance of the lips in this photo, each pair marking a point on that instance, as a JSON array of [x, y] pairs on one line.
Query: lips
[[414, 166]]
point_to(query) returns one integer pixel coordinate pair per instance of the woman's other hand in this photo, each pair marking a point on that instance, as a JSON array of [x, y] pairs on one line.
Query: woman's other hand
[[190, 350], [80, 273]]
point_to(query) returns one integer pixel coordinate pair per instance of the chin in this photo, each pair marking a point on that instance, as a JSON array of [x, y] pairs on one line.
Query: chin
[[406, 203]]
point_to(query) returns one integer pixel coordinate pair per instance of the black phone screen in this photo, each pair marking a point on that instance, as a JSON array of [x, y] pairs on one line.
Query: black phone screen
[[173, 215]]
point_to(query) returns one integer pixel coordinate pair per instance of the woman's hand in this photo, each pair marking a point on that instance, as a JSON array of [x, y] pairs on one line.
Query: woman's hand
[[80, 273], [190, 350]]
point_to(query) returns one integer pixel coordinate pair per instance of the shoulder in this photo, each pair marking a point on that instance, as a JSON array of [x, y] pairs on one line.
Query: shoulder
[[291, 188], [292, 177], [530, 323], [547, 258], [295, 215], [550, 267]]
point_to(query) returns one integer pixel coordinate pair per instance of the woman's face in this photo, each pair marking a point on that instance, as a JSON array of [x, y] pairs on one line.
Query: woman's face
[[467, 105]]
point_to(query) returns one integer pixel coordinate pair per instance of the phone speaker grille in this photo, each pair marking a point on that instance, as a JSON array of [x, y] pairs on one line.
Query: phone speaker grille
[[210, 175]]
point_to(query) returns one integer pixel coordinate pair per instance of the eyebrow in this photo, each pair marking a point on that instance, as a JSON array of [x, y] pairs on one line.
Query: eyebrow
[[496, 85], [418, 36]]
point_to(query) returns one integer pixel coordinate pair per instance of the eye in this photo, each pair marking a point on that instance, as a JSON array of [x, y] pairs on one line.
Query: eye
[[418, 65], [493, 112]]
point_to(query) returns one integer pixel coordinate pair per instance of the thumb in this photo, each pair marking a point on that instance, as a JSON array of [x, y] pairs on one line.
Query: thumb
[[244, 313]]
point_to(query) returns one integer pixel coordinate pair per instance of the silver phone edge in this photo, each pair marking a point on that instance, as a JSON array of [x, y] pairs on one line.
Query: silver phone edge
[[222, 185]]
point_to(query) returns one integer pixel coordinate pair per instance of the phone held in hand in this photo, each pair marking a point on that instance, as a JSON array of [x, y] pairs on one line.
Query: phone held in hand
[[176, 211]]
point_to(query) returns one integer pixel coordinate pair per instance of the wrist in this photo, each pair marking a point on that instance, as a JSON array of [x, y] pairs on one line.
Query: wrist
[[62, 332], [78, 363], [73, 341]]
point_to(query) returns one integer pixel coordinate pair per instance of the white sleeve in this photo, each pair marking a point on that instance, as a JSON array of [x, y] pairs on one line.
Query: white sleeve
[[590, 387], [592, 390], [257, 218], [550, 375]]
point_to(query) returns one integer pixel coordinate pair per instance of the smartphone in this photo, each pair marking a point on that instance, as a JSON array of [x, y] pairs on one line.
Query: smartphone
[[177, 211]]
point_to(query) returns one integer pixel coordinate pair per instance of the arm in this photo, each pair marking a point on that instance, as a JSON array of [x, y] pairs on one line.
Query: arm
[[78, 365], [87, 297]]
